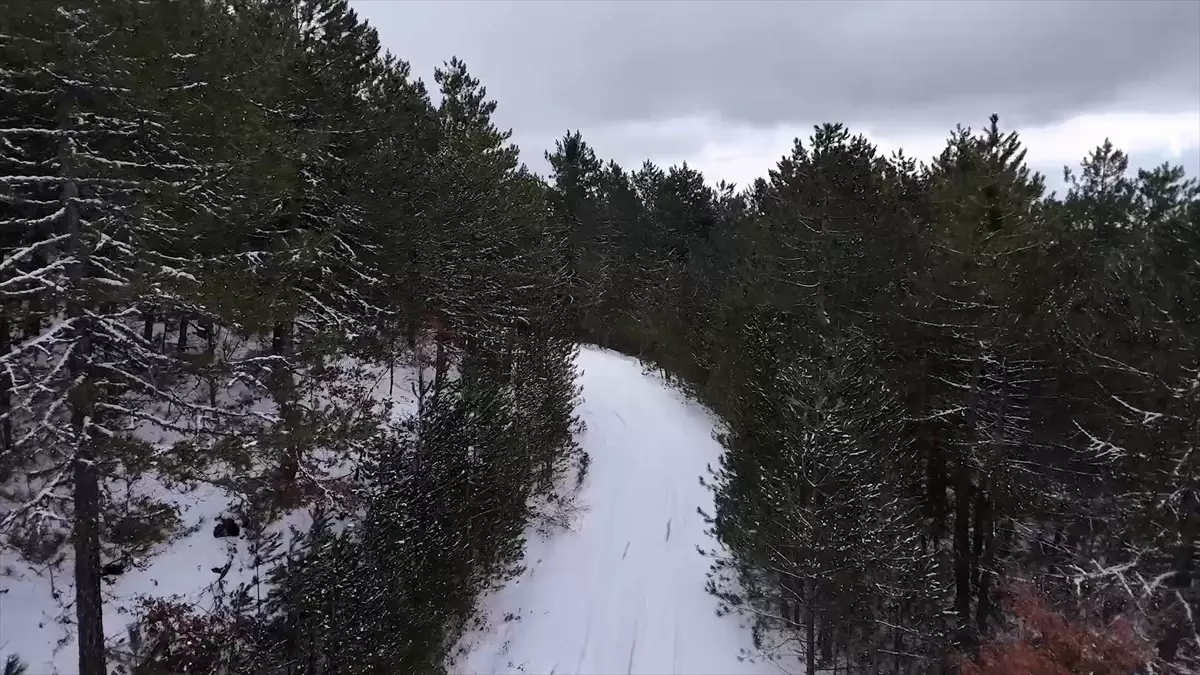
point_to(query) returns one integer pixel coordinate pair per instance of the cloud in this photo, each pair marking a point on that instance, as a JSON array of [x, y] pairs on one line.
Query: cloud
[[728, 84]]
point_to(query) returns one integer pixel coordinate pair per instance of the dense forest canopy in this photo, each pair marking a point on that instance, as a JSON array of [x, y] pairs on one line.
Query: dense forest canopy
[[222, 220]]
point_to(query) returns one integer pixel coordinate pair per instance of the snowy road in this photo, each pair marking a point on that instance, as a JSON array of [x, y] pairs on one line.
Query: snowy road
[[624, 591]]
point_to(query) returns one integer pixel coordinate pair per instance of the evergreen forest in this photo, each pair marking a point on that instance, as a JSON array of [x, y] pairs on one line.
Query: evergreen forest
[[948, 394]]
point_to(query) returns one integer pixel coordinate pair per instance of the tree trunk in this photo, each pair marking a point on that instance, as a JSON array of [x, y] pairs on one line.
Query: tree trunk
[[977, 533], [936, 483], [510, 349], [284, 392], [148, 326], [5, 385], [1167, 646], [181, 342], [392, 376], [826, 638], [88, 603], [33, 317], [897, 639], [984, 525], [439, 365], [962, 514], [210, 358], [210, 338], [874, 642], [1189, 514], [962, 546], [935, 464], [86, 473], [810, 627]]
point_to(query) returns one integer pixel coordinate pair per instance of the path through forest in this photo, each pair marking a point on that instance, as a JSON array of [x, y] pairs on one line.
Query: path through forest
[[624, 590]]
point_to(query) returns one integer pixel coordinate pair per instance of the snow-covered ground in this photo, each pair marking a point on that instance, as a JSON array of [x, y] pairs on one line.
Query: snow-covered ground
[[37, 616], [37, 613], [624, 590]]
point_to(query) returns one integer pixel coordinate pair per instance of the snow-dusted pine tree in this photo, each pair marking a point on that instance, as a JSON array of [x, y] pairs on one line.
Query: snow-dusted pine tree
[[110, 173]]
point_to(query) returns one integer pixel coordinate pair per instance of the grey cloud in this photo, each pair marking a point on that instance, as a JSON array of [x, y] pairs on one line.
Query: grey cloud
[[1188, 159], [554, 65]]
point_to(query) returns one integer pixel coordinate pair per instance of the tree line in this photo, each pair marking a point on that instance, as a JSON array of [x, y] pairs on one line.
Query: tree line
[[941, 385], [225, 223]]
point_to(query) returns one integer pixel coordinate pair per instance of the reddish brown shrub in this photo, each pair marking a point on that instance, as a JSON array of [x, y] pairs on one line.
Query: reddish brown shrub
[[1044, 642], [178, 639]]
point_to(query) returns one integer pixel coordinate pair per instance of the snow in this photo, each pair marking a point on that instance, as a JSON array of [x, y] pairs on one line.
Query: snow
[[38, 627], [624, 590], [37, 614]]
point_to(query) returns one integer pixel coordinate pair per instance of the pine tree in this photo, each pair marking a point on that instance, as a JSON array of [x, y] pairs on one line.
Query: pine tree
[[109, 172], [575, 191]]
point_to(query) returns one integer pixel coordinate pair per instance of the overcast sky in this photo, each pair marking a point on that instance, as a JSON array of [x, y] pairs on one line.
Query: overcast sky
[[726, 86]]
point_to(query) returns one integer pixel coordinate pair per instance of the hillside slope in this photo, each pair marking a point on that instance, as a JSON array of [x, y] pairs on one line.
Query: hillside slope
[[623, 590]]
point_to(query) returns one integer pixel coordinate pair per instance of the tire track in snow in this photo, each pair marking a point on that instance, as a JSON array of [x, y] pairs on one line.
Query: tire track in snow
[[639, 626], [632, 651], [587, 623]]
